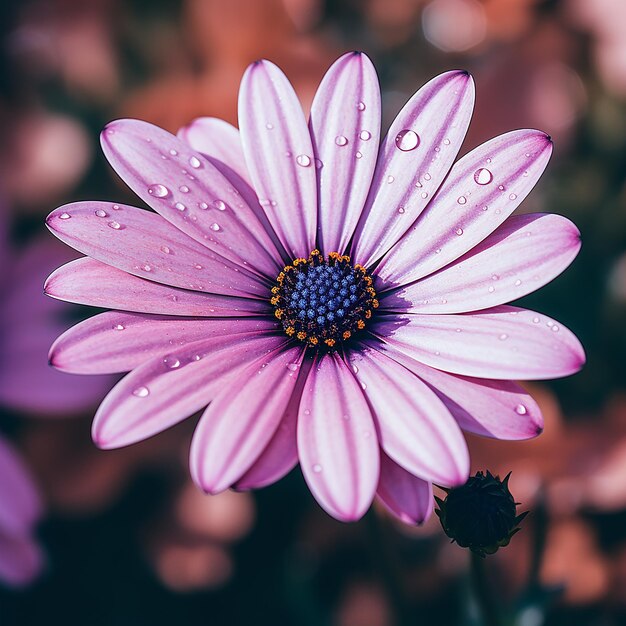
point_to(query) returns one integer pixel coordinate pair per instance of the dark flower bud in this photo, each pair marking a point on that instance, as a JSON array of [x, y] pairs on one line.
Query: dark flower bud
[[480, 515]]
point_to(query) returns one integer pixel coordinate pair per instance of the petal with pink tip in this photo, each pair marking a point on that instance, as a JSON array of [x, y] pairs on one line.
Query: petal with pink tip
[[119, 342], [281, 453], [144, 244], [190, 192], [409, 498], [87, 281], [337, 441], [505, 343], [20, 505], [522, 255], [491, 408], [21, 560], [346, 108], [167, 389], [415, 428], [237, 426], [279, 155], [414, 158], [482, 190]]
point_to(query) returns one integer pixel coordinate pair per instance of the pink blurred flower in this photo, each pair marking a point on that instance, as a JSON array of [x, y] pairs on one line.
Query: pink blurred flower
[[30, 321], [364, 373], [20, 509]]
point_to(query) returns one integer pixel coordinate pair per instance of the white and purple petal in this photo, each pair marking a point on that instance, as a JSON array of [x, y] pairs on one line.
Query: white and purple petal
[[279, 155], [345, 111], [337, 441]]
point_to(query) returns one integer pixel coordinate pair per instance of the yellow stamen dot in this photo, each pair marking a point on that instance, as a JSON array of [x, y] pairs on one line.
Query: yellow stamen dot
[[368, 314], [301, 335], [313, 341], [361, 324], [375, 303], [347, 334], [290, 330], [278, 313], [329, 342], [275, 290], [275, 300]]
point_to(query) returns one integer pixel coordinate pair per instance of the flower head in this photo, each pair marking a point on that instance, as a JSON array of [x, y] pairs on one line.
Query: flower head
[[335, 302], [481, 514]]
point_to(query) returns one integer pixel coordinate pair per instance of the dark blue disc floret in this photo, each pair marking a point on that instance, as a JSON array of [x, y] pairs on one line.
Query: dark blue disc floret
[[323, 301]]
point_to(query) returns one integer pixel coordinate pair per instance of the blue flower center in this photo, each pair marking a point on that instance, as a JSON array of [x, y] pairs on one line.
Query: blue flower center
[[323, 300]]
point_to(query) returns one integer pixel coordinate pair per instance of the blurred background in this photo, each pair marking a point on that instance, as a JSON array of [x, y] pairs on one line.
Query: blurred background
[[122, 537]]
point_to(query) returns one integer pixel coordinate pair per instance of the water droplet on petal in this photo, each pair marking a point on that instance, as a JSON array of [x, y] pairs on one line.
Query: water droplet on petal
[[365, 135], [317, 468], [424, 195], [269, 126], [401, 209], [116, 207], [303, 160], [165, 249], [203, 205], [390, 179], [459, 231], [518, 282], [146, 268], [520, 409], [101, 213], [446, 142], [318, 164], [195, 162], [293, 367], [215, 227], [407, 140], [503, 336], [159, 191], [171, 362], [340, 140], [141, 392], [360, 106], [119, 327], [220, 205], [180, 206], [483, 176], [174, 152], [462, 200], [513, 196], [64, 216], [427, 176], [115, 225], [184, 189], [358, 155], [536, 320]]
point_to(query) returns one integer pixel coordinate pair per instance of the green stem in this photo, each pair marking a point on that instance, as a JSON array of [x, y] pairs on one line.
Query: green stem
[[484, 599], [388, 569]]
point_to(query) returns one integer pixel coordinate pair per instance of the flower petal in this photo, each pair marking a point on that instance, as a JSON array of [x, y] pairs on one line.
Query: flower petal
[[167, 389], [190, 192], [522, 255], [87, 281], [279, 155], [415, 428], [220, 143], [281, 453], [492, 408], [21, 560], [144, 244], [20, 505], [409, 498], [218, 140], [237, 426], [119, 342], [505, 343], [414, 158], [482, 190], [337, 441], [346, 108]]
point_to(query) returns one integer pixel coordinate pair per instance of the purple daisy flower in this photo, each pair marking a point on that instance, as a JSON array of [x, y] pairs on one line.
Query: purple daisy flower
[[335, 302]]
